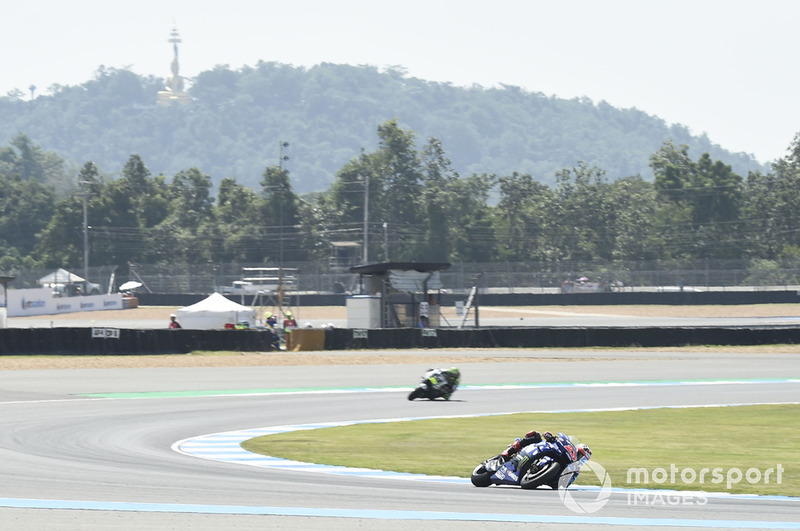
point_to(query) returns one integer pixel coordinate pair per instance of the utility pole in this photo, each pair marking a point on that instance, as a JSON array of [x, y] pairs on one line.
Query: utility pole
[[366, 218], [385, 241], [85, 195], [281, 159]]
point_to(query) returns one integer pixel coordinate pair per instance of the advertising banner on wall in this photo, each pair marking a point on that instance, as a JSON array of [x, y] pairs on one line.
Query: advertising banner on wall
[[40, 301]]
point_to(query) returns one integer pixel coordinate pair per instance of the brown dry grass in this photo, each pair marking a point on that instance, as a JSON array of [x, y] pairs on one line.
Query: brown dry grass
[[340, 312]]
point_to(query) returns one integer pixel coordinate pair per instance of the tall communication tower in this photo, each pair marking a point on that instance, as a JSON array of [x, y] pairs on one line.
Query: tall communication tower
[[173, 92]]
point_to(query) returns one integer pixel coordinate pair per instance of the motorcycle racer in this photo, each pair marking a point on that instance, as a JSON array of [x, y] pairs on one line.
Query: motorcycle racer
[[437, 383], [444, 380], [534, 437], [584, 453], [534, 460]]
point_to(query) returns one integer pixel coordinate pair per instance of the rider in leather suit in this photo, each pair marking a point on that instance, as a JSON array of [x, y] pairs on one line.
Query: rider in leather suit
[[534, 437]]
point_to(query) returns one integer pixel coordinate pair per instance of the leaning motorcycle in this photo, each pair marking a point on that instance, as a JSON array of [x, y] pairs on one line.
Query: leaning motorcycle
[[555, 464], [434, 385]]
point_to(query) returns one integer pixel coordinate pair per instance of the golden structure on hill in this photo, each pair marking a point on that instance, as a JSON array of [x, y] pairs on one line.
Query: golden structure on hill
[[173, 92]]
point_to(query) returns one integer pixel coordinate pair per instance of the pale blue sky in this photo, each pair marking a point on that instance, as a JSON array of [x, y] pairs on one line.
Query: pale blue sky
[[723, 67]]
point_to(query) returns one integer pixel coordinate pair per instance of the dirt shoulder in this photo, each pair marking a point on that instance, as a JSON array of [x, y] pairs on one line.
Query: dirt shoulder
[[146, 313], [282, 359]]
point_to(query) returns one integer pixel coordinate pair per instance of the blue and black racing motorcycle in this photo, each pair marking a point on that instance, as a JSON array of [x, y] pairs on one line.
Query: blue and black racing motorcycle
[[555, 464]]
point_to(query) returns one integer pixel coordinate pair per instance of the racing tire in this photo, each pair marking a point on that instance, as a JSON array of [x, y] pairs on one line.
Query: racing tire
[[416, 393], [480, 476], [531, 479]]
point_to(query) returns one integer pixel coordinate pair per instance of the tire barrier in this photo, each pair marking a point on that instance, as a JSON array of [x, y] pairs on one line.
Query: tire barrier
[[554, 337], [111, 341], [685, 298]]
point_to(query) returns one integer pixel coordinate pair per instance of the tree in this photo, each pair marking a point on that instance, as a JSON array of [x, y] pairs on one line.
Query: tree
[[183, 235], [25, 209], [116, 237], [699, 204], [473, 234], [779, 205], [280, 213], [150, 196], [238, 224], [31, 163], [438, 176], [672, 168], [60, 244], [715, 201], [762, 228], [522, 217], [395, 176], [344, 213], [191, 200], [399, 177], [633, 201], [581, 213]]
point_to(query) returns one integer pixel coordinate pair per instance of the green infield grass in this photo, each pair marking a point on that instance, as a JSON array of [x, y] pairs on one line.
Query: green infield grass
[[744, 449]]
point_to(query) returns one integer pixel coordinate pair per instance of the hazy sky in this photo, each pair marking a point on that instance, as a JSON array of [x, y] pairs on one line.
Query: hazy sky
[[724, 67]]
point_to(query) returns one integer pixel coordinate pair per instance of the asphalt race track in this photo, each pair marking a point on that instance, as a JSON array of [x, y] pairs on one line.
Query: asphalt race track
[[71, 461]]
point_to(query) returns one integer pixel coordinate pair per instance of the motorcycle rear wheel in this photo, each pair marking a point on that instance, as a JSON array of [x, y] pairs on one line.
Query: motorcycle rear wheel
[[530, 479]]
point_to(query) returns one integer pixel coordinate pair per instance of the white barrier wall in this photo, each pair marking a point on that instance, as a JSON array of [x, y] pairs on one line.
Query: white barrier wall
[[40, 301]]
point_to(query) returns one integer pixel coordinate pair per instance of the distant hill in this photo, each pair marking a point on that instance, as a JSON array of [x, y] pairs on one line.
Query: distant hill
[[327, 114]]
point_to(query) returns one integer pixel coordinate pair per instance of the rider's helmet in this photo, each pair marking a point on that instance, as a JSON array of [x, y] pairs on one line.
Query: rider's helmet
[[455, 374], [584, 452]]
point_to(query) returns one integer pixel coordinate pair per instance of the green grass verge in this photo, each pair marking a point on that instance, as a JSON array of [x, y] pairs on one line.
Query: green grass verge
[[678, 441]]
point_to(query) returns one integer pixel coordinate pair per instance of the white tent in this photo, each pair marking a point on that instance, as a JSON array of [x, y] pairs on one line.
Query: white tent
[[213, 312], [59, 276]]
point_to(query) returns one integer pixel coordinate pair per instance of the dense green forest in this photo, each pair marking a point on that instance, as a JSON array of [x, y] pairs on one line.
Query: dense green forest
[[328, 113], [419, 206]]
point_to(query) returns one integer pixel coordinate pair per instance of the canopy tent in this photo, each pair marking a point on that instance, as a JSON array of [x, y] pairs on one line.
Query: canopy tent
[[414, 281], [130, 285], [60, 276], [215, 311]]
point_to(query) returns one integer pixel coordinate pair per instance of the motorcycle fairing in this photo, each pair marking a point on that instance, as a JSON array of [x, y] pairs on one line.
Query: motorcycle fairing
[[508, 473]]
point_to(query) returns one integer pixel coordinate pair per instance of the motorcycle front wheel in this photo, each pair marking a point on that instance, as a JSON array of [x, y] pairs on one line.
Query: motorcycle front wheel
[[416, 393], [480, 476], [531, 478]]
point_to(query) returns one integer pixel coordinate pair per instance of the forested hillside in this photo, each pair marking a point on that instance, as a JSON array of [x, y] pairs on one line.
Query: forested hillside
[[328, 114], [404, 201]]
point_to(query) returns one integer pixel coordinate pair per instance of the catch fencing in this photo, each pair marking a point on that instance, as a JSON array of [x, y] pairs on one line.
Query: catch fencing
[[508, 277]]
